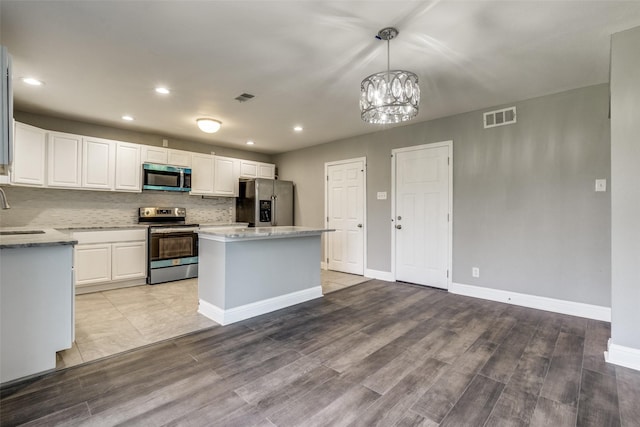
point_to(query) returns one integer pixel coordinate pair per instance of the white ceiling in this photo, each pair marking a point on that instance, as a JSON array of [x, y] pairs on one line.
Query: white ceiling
[[303, 60]]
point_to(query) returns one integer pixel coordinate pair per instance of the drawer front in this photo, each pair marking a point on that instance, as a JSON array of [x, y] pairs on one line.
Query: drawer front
[[125, 235]]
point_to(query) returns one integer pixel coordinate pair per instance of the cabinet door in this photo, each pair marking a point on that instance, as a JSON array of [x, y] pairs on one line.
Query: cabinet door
[[128, 168], [98, 163], [266, 170], [29, 151], [179, 158], [154, 155], [225, 176], [65, 160], [129, 260], [202, 167], [93, 263], [248, 169]]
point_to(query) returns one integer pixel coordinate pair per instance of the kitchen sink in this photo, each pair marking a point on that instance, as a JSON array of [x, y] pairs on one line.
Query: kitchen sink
[[18, 233]]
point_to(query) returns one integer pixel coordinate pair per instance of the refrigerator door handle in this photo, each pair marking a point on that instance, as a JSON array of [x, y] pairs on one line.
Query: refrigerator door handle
[[274, 202]]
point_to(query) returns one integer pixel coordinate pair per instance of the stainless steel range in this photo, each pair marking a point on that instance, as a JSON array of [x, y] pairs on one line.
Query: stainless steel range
[[172, 245]]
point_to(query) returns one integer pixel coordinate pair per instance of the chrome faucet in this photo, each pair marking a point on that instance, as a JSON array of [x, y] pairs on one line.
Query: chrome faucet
[[4, 203]]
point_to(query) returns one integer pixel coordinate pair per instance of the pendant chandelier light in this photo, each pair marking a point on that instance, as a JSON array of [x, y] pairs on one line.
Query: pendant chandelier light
[[391, 96]]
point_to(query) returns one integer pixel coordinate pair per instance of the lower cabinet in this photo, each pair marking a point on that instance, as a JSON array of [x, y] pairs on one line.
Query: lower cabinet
[[110, 259]]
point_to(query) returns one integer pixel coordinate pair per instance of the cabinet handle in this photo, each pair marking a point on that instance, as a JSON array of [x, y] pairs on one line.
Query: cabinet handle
[[399, 227]]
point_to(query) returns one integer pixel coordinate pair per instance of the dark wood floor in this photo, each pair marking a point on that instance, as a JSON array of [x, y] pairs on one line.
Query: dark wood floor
[[375, 354]]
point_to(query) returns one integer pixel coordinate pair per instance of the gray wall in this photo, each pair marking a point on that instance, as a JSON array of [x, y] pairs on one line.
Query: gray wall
[[625, 191], [525, 211], [121, 134]]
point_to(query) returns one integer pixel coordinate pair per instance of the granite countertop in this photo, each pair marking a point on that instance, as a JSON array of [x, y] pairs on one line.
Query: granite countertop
[[252, 233], [19, 237], [24, 237]]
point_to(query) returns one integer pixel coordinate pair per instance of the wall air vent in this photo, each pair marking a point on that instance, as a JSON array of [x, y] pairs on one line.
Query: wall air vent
[[506, 116], [244, 97]]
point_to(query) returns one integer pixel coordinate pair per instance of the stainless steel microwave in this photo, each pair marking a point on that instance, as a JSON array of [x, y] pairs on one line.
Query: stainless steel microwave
[[165, 177]]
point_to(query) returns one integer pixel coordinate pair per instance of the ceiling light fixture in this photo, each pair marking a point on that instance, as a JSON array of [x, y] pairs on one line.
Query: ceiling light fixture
[[391, 96], [297, 128], [250, 142], [32, 82], [127, 118], [209, 125], [163, 90]]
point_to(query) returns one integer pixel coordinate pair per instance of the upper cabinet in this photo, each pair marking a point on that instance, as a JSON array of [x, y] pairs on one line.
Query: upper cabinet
[[226, 172], [251, 169], [154, 155], [29, 155], [178, 158], [99, 161], [128, 171], [202, 166], [64, 153], [166, 156]]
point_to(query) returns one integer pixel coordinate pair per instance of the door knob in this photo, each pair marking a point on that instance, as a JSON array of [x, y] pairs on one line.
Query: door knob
[[359, 225], [399, 227]]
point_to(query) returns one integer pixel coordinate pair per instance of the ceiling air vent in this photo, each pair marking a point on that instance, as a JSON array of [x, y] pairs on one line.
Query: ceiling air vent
[[506, 116], [244, 97]]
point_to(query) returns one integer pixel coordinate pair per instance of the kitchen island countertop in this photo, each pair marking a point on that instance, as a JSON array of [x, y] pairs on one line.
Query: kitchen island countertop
[[229, 234]]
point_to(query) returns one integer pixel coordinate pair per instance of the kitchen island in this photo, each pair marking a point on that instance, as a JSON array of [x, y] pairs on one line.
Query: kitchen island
[[246, 272], [36, 300]]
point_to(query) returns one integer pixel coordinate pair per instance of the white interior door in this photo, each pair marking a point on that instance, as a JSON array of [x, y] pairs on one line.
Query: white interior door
[[422, 210], [345, 214]]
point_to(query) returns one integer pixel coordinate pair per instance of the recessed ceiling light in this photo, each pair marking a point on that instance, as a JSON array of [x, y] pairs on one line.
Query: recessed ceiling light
[[250, 142], [31, 81], [163, 90], [127, 118], [298, 128], [209, 125]]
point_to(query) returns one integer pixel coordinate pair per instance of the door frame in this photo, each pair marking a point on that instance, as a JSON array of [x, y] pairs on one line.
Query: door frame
[[448, 144], [325, 259]]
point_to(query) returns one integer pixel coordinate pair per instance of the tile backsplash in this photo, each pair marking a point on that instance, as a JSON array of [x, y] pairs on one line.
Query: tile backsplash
[[44, 207]]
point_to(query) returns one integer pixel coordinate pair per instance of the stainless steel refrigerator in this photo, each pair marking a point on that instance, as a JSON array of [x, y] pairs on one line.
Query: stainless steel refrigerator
[[265, 202]]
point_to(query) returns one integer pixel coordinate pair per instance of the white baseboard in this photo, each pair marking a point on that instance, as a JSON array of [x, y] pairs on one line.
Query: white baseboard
[[623, 356], [387, 276], [533, 301], [243, 312]]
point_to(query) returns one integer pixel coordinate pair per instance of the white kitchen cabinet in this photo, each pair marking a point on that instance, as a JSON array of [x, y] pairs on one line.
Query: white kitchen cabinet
[[166, 156], [253, 169], [179, 158], [64, 154], [266, 170], [29, 155], [202, 167], [154, 155], [98, 163], [110, 259], [93, 263], [128, 170], [225, 176], [128, 260]]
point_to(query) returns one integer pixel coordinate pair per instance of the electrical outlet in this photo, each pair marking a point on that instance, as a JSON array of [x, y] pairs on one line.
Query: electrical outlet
[[475, 272], [165, 142], [382, 195], [601, 185]]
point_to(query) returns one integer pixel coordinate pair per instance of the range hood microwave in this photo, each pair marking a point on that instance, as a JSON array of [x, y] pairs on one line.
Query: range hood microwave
[[165, 177]]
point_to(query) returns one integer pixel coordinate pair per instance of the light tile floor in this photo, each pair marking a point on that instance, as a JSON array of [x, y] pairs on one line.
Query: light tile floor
[[111, 322]]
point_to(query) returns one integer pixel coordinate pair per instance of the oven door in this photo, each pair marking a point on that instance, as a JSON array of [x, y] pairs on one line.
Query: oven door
[[173, 255]]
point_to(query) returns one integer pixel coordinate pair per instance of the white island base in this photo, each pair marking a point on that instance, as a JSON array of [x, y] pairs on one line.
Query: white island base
[[246, 272]]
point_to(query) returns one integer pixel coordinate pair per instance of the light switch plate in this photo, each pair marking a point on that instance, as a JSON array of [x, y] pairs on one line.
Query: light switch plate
[[601, 185], [382, 195]]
